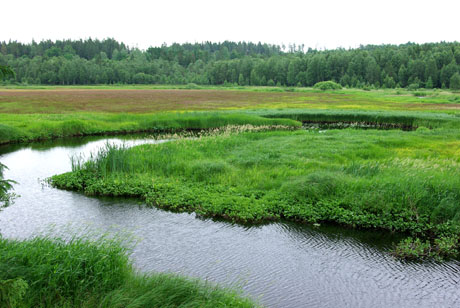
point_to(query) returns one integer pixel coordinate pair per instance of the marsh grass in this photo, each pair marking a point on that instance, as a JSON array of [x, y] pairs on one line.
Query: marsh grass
[[84, 272]]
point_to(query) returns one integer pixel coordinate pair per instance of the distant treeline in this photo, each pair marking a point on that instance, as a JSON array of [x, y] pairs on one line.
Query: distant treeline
[[68, 62]]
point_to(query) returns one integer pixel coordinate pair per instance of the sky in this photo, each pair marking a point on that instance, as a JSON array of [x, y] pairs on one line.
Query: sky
[[316, 24]]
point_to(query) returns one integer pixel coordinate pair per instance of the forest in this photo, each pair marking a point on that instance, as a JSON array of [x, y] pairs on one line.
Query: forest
[[87, 62]]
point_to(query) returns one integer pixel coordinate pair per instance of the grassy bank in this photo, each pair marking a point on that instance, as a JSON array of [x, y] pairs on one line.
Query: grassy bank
[[82, 273], [16, 128], [394, 180], [30, 127]]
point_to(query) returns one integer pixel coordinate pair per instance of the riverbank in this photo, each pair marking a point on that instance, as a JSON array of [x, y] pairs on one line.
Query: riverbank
[[399, 181], [19, 128], [45, 272]]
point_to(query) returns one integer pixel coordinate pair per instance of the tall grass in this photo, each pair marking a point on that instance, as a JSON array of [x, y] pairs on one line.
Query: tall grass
[[46, 272]]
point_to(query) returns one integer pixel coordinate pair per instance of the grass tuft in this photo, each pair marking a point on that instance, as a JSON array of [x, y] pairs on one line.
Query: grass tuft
[[80, 272]]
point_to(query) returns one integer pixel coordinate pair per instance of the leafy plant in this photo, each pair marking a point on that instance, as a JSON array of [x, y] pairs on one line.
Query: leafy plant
[[5, 187]]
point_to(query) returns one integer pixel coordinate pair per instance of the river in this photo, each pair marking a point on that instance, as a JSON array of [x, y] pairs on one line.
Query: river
[[279, 264]]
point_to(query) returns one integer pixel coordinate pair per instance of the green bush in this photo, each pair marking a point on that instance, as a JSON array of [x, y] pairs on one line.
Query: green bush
[[413, 86], [327, 85]]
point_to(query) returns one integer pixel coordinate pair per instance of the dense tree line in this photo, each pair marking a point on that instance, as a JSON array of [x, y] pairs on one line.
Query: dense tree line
[[67, 62]]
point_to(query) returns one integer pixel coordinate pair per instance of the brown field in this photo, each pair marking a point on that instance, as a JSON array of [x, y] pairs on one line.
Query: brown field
[[158, 100], [138, 101]]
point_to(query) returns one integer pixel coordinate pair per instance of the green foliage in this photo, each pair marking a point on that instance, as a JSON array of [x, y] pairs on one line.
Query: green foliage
[[5, 187], [413, 249], [192, 86], [111, 62], [441, 248], [6, 71], [327, 85], [45, 272], [413, 86], [455, 82]]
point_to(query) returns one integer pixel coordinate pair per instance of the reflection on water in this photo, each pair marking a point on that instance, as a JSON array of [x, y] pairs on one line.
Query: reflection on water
[[281, 264]]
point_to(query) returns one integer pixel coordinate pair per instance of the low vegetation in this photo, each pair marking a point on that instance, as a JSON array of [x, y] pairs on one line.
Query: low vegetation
[[84, 272], [394, 180]]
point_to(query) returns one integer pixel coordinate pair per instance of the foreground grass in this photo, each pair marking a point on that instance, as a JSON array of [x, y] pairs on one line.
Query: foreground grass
[[47, 273], [394, 180]]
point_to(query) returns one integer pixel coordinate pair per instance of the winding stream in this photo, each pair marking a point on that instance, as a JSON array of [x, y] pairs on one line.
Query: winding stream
[[280, 264]]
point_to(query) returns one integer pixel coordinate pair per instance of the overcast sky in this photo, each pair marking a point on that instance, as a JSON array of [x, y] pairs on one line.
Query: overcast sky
[[317, 24]]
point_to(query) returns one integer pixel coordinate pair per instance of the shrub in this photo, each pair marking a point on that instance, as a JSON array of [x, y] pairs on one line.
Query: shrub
[[191, 86], [413, 86], [327, 85]]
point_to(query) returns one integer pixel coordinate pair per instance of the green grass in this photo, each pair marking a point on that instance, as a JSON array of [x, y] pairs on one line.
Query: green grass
[[394, 180], [44, 272], [32, 127], [25, 127], [385, 119]]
